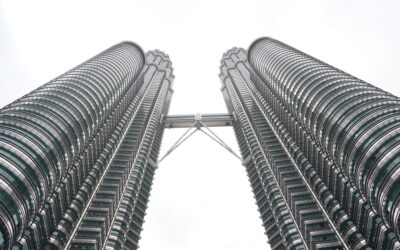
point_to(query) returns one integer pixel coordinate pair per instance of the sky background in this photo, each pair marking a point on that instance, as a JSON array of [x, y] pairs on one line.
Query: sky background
[[201, 198]]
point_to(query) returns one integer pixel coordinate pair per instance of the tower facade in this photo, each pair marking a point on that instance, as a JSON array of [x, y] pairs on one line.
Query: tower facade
[[321, 149], [78, 154]]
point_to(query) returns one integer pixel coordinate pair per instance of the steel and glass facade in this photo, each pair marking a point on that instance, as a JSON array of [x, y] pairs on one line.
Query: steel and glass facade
[[78, 154], [321, 149]]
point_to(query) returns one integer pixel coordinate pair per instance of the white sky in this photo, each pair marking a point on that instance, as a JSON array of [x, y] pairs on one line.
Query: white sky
[[201, 197]]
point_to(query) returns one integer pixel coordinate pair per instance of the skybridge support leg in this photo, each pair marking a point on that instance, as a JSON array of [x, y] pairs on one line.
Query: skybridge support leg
[[196, 123]]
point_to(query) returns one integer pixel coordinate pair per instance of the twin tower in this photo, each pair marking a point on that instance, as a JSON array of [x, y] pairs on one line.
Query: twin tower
[[321, 149]]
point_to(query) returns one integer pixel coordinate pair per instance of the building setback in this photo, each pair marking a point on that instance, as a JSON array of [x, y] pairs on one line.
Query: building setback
[[78, 154], [321, 149]]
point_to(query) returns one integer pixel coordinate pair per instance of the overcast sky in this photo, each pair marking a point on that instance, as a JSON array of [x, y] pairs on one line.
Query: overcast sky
[[201, 198]]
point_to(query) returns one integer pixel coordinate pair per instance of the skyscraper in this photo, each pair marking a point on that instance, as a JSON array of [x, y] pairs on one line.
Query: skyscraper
[[78, 154], [321, 149]]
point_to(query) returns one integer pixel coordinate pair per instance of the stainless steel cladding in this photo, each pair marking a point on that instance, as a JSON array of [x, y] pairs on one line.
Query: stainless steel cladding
[[75, 150], [324, 138]]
